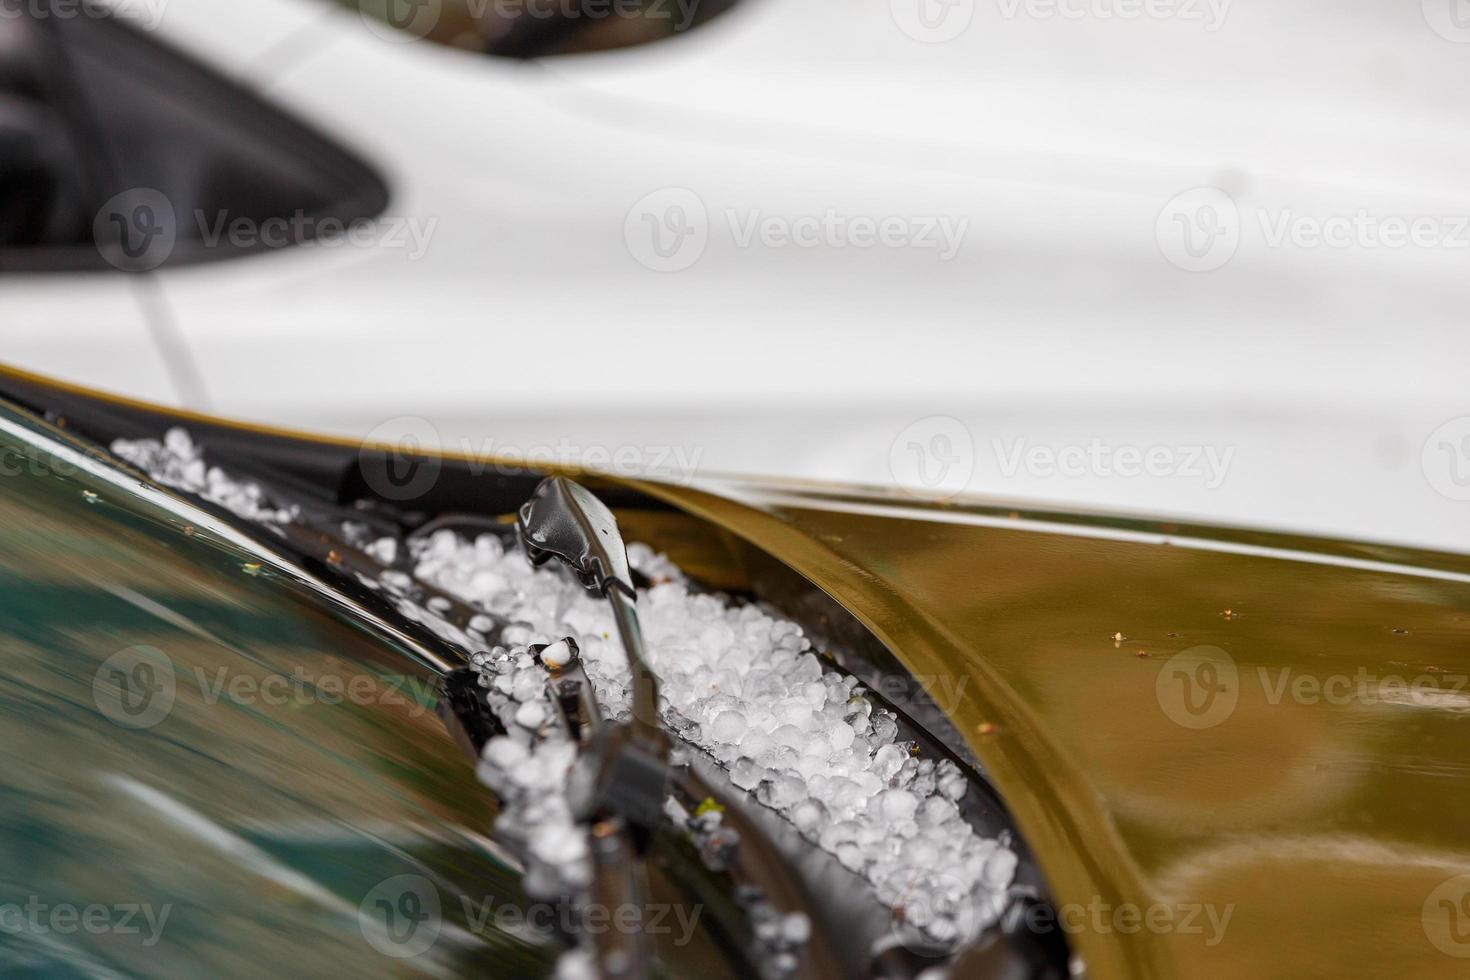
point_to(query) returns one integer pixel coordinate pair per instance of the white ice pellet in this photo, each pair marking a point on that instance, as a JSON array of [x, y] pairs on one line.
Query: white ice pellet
[[897, 804], [557, 655], [840, 735], [384, 550], [1000, 868], [559, 844], [796, 928], [808, 815], [503, 752], [755, 742], [530, 714], [727, 727], [747, 774], [527, 684], [936, 810], [787, 789]]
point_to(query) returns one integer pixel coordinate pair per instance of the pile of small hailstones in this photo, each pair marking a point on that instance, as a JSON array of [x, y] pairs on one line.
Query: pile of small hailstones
[[746, 688], [177, 462], [739, 684]]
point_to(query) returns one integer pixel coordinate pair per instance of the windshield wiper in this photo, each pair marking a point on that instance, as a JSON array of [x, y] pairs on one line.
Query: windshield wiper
[[627, 771]]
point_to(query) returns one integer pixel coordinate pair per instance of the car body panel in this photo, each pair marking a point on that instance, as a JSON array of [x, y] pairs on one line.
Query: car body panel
[[1309, 831], [1323, 815]]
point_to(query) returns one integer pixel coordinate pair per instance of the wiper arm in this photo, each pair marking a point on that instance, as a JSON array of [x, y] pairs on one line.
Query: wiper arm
[[628, 766], [563, 520]]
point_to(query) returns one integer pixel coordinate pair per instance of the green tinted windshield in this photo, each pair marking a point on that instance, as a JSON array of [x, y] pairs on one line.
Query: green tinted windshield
[[211, 768]]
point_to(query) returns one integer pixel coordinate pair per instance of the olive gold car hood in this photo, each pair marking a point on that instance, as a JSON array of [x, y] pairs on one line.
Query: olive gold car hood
[[1235, 755]]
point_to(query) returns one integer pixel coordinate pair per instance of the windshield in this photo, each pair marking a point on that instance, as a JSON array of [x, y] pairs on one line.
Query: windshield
[[210, 769]]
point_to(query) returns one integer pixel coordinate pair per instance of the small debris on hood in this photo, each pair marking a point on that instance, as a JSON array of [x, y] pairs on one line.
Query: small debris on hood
[[177, 462]]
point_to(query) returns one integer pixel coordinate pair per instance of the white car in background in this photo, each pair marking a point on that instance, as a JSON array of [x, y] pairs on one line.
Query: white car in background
[[1205, 260]]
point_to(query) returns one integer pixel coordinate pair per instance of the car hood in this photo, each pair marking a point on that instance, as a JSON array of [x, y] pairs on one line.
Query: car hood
[[1259, 738]]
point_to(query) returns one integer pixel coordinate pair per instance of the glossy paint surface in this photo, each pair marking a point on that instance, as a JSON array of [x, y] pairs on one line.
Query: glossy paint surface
[[1235, 755]]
